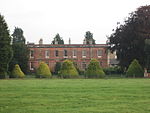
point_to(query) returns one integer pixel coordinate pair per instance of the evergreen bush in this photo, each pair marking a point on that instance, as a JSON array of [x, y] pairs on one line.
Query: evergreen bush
[[57, 68], [17, 73], [43, 71], [113, 70], [68, 70], [94, 70], [135, 69]]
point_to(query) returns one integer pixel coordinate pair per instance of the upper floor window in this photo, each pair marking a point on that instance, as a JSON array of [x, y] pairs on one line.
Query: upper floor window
[[65, 53], [74, 52], [56, 53], [83, 53], [31, 53], [99, 53], [47, 53]]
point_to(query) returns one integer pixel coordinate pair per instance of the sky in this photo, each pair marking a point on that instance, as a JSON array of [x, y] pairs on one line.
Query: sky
[[70, 18]]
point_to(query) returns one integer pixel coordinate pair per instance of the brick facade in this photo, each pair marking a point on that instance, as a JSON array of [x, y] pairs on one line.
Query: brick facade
[[79, 53]]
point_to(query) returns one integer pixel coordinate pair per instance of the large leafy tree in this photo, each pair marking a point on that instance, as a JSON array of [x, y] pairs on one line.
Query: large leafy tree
[[89, 37], [58, 40], [21, 52], [128, 40], [147, 52], [5, 47]]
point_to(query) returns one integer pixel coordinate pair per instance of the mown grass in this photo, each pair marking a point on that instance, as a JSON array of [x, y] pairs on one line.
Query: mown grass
[[75, 96]]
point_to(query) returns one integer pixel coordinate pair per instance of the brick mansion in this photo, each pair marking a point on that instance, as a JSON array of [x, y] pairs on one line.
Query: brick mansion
[[81, 54]]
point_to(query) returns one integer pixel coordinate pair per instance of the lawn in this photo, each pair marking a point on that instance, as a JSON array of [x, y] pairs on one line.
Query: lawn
[[75, 96]]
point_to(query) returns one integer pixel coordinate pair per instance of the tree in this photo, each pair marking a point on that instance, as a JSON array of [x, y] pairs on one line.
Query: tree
[[68, 70], [21, 51], [5, 47], [147, 52], [89, 38], [135, 69], [128, 40], [17, 73], [18, 36], [43, 71], [57, 68], [94, 70], [58, 40]]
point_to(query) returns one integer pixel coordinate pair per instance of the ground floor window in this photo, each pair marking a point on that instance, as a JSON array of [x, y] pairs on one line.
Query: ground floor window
[[31, 66], [84, 65]]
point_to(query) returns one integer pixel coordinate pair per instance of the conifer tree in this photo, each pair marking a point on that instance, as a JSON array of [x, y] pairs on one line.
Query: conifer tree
[[68, 70], [5, 47], [58, 40], [94, 70], [17, 73], [135, 69], [21, 51], [43, 71], [89, 37]]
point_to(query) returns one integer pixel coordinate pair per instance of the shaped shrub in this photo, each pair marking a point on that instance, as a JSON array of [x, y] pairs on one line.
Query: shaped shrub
[[68, 70], [17, 73], [135, 69], [43, 71], [94, 70]]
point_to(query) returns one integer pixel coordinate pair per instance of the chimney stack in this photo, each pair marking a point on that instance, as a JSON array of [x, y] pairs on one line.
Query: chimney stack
[[41, 41]]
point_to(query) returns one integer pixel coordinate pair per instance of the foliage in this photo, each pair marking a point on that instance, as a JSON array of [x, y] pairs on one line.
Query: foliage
[[57, 68], [147, 52], [5, 47], [17, 73], [89, 37], [128, 40], [94, 70], [18, 36], [58, 40], [21, 51], [113, 70], [68, 70], [135, 69], [43, 71]]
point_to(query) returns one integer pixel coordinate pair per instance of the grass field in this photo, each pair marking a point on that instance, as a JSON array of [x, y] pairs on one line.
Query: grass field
[[75, 96]]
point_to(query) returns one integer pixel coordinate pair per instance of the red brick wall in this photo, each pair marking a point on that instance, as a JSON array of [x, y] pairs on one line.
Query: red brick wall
[[91, 52]]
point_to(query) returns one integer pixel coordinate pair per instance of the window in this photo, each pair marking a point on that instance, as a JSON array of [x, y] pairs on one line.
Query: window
[[83, 65], [31, 66], [84, 53], [47, 53], [56, 53], [74, 52], [65, 53], [99, 53], [31, 53]]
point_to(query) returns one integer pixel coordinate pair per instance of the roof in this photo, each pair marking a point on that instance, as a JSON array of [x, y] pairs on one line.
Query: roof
[[67, 45]]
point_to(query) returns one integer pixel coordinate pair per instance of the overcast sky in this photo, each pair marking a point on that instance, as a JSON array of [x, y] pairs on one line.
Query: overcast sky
[[70, 18]]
